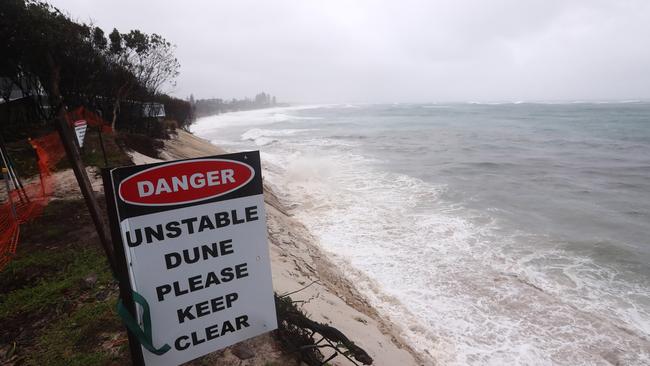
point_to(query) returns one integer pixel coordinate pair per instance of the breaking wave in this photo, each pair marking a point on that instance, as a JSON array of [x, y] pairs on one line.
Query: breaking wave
[[263, 137], [466, 286], [435, 268]]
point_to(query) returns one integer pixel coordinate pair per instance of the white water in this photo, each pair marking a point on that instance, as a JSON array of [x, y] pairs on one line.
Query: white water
[[465, 285]]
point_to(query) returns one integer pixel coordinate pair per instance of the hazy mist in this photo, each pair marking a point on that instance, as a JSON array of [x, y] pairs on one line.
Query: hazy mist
[[396, 51]]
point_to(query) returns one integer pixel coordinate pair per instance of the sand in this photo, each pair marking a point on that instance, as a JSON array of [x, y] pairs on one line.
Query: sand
[[297, 262]]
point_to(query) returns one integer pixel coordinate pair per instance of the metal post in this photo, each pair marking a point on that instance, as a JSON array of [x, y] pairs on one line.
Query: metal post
[[9, 164], [5, 164], [11, 201]]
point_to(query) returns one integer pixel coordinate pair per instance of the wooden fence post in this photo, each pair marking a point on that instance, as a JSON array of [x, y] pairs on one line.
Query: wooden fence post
[[72, 151]]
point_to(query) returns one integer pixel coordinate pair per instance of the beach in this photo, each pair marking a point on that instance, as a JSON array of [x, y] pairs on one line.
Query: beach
[[301, 269]]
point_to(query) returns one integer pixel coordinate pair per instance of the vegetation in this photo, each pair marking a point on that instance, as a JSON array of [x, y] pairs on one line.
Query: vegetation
[[77, 333], [114, 146], [57, 297], [53, 59], [307, 339]]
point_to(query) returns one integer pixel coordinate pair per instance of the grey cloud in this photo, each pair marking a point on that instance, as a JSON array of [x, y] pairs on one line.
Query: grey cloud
[[385, 51]]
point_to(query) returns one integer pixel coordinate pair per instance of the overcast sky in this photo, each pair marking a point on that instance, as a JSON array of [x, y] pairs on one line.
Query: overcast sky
[[396, 51]]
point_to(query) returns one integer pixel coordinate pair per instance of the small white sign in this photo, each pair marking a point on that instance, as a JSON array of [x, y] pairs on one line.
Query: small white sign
[[80, 127], [194, 235]]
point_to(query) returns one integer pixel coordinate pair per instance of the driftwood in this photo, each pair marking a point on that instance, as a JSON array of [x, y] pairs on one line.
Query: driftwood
[[297, 331]]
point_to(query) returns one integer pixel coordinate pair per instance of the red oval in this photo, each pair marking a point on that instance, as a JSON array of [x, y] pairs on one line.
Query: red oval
[[184, 182]]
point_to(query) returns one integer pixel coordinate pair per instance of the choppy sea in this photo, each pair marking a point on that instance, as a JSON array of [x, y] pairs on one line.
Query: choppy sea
[[492, 234]]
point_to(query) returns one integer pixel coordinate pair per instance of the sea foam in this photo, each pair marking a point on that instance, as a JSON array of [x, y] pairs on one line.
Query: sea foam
[[462, 284]]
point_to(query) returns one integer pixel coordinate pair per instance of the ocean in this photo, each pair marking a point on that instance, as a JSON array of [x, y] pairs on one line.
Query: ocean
[[492, 234]]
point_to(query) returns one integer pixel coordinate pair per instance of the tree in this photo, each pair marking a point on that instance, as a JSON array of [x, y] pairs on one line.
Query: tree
[[47, 54], [40, 41], [99, 40], [55, 59], [140, 60]]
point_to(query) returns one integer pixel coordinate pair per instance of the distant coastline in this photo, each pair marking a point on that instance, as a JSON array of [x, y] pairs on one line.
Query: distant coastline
[[214, 106]]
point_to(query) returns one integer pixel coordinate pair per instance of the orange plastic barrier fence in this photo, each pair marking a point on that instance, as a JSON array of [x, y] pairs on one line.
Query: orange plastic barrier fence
[[29, 203], [22, 206]]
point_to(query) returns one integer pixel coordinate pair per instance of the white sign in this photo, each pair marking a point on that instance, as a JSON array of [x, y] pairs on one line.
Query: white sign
[[194, 236], [80, 127]]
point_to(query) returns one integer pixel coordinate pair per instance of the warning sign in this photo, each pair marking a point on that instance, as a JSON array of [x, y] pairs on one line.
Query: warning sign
[[80, 127], [193, 234]]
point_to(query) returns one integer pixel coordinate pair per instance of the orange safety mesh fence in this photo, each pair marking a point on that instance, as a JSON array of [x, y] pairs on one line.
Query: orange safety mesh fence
[[24, 205], [28, 203]]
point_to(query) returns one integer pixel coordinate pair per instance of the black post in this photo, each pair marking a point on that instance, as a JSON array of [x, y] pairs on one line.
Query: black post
[[122, 273]]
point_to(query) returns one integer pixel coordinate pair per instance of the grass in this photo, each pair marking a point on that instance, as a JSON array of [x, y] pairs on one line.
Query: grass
[[73, 339], [48, 312], [54, 289]]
